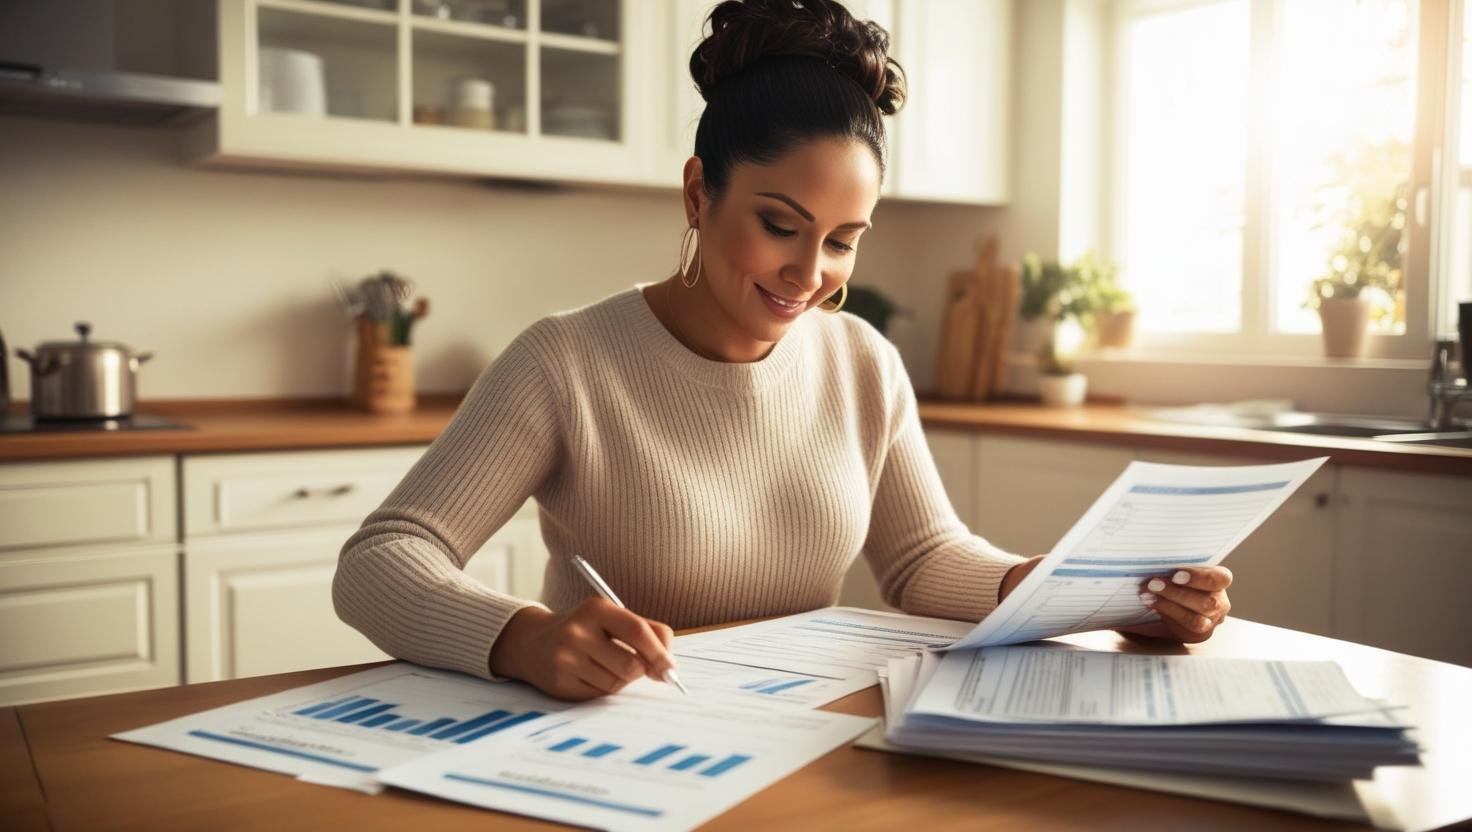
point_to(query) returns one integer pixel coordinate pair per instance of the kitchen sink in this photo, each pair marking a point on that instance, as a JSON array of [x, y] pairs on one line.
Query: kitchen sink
[[1403, 431]]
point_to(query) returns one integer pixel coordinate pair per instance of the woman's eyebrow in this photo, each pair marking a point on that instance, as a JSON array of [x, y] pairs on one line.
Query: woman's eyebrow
[[804, 212]]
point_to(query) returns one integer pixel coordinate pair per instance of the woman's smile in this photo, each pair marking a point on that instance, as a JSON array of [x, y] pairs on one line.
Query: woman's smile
[[782, 307]]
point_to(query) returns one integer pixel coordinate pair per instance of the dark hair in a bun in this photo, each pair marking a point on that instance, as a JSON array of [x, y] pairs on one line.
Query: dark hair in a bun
[[775, 73]]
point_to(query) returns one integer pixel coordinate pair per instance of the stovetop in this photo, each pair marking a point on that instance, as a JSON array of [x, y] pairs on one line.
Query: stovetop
[[24, 423]]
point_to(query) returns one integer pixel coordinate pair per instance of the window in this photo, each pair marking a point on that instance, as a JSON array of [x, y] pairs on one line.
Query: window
[[1262, 144]]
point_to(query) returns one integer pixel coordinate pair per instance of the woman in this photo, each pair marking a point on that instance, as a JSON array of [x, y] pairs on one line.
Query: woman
[[720, 445]]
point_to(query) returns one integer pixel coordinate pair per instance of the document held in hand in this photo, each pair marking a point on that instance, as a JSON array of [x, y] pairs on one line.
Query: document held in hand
[[1150, 522]]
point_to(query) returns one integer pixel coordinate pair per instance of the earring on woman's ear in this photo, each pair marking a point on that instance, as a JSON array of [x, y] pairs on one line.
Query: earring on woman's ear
[[829, 305], [686, 255]]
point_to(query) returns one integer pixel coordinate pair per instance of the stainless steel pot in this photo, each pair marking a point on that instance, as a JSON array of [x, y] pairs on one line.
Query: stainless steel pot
[[82, 379]]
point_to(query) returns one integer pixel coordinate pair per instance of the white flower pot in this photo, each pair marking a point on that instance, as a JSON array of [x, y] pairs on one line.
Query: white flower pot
[[1063, 391], [1345, 321]]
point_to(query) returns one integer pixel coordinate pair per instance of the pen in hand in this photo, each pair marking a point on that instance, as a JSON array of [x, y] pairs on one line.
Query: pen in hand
[[593, 578]]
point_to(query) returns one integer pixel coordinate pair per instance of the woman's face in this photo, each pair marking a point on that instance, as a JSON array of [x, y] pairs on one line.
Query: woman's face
[[784, 236]]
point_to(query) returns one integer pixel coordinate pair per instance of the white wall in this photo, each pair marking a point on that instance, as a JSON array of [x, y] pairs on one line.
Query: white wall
[[223, 273]]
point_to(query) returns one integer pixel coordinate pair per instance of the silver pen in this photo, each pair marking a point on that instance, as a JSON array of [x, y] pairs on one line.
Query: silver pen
[[592, 576]]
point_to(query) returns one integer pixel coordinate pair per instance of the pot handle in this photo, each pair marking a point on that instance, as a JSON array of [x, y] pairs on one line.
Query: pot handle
[[139, 359], [40, 369]]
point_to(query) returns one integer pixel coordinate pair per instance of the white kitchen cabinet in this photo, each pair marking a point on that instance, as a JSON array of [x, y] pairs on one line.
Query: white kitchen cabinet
[[87, 620], [88, 577], [1403, 566], [951, 139], [675, 107], [1029, 492], [93, 501], [262, 537], [566, 102]]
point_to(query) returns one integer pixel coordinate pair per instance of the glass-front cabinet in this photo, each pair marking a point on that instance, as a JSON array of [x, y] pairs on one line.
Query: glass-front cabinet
[[537, 89]]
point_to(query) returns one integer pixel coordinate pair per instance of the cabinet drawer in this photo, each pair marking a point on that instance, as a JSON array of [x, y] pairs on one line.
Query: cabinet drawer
[[75, 622], [252, 492], [88, 501]]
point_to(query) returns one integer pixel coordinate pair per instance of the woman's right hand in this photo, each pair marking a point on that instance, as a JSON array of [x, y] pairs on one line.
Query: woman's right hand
[[574, 655]]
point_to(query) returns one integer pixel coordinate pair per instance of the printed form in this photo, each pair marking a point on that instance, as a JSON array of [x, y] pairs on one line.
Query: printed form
[[1057, 686], [1151, 521], [642, 759], [808, 659]]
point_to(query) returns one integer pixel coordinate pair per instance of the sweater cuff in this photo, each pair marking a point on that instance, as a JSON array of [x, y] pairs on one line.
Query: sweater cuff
[[482, 614]]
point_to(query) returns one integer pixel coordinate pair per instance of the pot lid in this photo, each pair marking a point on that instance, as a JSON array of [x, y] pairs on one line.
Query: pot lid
[[84, 330]]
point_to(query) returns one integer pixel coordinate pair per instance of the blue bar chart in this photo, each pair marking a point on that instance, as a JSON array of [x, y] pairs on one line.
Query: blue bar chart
[[367, 712], [668, 757]]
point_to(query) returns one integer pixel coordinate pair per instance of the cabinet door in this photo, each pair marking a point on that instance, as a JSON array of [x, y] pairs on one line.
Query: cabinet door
[[1029, 492], [89, 501], [1283, 573], [952, 134], [1405, 562], [80, 621], [675, 106], [259, 604]]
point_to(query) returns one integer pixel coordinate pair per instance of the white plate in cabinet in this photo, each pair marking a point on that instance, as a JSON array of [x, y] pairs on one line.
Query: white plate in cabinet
[[87, 502], [77, 622], [262, 603], [231, 493]]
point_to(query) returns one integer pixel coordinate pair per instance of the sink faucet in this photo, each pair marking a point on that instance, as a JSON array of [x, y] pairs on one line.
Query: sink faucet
[[1445, 388]]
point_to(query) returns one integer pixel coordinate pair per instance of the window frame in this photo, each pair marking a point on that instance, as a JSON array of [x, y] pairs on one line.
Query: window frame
[[1432, 202]]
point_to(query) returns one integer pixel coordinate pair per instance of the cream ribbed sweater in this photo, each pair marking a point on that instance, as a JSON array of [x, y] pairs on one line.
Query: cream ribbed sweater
[[703, 492]]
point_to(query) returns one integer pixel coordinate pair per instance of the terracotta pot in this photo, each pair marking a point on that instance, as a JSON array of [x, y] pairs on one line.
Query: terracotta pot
[[1063, 391], [1345, 322], [1115, 329], [391, 380]]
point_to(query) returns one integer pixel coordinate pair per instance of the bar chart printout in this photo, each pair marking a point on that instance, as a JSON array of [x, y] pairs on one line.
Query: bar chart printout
[[1152, 521], [347, 729], [638, 760]]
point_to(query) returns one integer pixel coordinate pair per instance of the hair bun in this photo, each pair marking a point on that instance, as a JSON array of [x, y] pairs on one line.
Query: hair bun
[[745, 31]]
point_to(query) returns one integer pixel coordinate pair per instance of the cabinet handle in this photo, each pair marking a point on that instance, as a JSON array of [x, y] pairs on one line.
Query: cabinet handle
[[333, 491], [1321, 500]]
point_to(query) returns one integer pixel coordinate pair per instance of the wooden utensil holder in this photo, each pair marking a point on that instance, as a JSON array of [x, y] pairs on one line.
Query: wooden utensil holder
[[384, 379]]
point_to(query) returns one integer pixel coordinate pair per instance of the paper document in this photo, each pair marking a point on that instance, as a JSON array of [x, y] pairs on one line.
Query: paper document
[[807, 659], [1085, 687], [1151, 521], [343, 731], [640, 759]]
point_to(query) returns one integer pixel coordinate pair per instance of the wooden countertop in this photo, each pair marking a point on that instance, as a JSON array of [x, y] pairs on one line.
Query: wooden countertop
[[262, 425], [83, 780]]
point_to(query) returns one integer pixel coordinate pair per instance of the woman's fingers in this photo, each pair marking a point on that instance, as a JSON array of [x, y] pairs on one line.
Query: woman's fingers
[[1187, 624], [1204, 578], [1213, 605], [640, 636]]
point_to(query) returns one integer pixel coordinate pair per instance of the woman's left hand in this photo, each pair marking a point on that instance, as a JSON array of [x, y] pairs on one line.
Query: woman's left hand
[[1191, 602]]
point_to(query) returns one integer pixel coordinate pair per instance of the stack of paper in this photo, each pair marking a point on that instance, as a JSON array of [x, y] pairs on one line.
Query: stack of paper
[[1244, 717]]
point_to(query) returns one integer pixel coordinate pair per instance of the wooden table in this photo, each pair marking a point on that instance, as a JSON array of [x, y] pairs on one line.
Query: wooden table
[[64, 770]]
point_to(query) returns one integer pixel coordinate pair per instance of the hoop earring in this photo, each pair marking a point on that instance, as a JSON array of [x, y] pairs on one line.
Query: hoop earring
[[842, 299], [686, 256]]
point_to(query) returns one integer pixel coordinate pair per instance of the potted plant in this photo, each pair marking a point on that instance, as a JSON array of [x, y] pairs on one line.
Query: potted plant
[[1058, 383], [1363, 284], [1114, 311]]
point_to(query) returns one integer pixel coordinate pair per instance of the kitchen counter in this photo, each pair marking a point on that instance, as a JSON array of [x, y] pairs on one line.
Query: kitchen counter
[[262, 425]]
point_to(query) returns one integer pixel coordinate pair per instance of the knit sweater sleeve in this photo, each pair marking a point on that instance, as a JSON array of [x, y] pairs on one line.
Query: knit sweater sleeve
[[925, 559], [400, 578]]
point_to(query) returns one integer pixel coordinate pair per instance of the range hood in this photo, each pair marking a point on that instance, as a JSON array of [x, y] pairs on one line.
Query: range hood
[[110, 96], [140, 62]]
